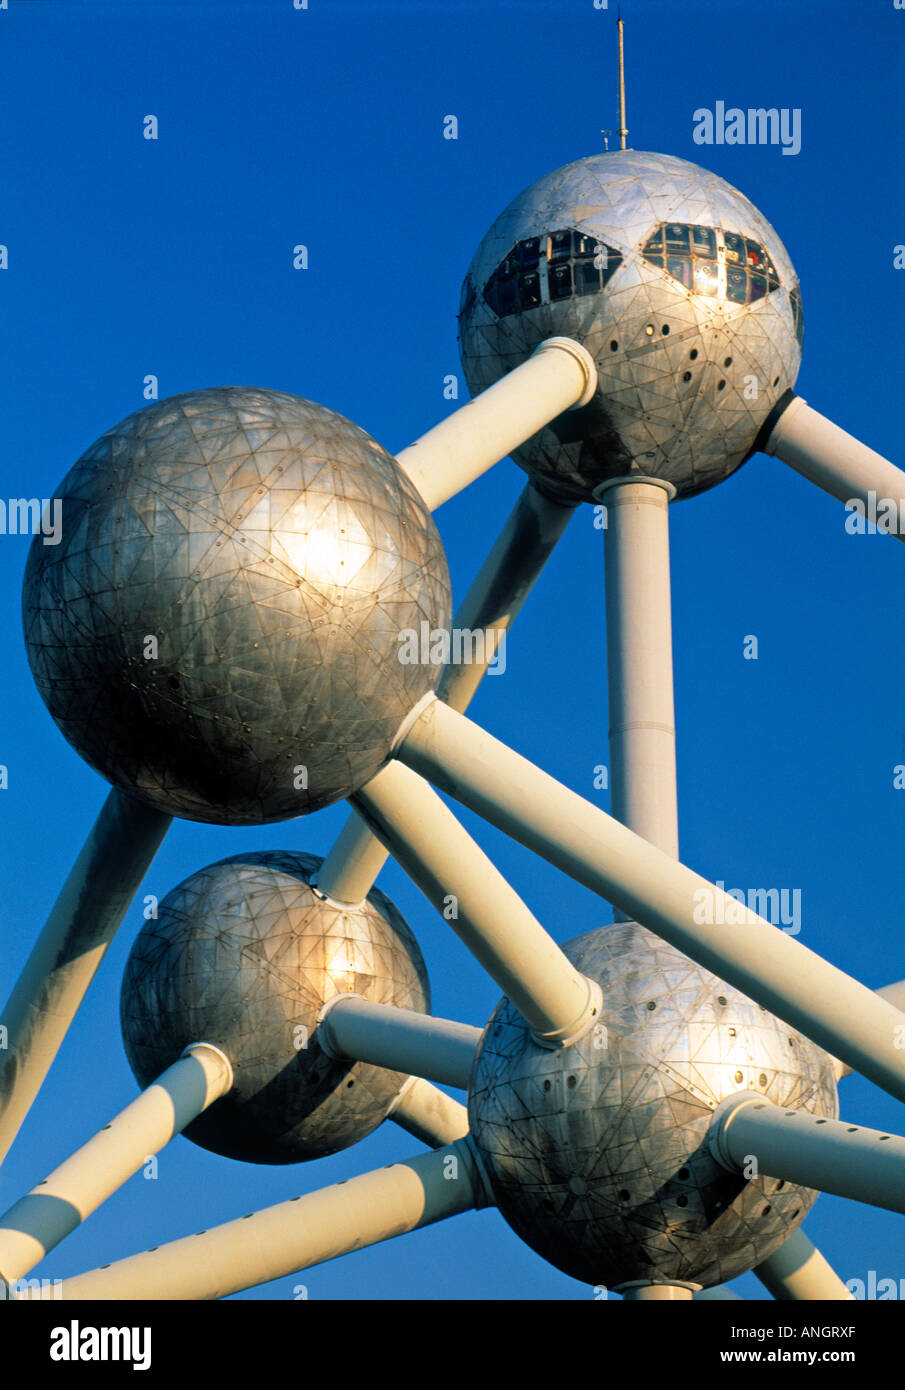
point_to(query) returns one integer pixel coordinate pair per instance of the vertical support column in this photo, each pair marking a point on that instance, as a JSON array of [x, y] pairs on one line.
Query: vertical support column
[[639, 660], [639, 679], [644, 1290]]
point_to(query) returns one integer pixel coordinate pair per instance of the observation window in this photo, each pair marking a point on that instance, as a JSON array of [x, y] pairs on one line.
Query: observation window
[[549, 269], [712, 262], [678, 237]]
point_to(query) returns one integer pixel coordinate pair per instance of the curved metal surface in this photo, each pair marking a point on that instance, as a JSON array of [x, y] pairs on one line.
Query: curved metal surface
[[245, 954], [685, 378], [598, 1156], [218, 630]]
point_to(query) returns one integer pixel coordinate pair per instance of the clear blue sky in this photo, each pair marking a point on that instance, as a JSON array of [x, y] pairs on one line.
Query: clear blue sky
[[129, 257]]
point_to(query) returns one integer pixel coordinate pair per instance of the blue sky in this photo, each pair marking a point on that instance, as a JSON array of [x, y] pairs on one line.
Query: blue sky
[[129, 257]]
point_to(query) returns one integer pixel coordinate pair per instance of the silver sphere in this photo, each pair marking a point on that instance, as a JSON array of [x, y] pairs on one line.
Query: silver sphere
[[217, 632], [597, 1155], [243, 955], [677, 286]]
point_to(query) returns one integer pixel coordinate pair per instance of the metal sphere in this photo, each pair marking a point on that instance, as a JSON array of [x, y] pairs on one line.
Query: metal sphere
[[218, 630], [243, 955], [597, 1154], [677, 286]]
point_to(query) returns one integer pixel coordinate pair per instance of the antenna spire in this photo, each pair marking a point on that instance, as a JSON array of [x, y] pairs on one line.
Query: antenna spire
[[623, 129]]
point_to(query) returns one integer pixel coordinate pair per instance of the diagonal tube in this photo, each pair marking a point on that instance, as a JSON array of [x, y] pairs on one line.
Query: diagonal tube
[[47, 1214], [895, 995], [848, 1160], [85, 918], [504, 581], [797, 1270], [827, 1005], [837, 462], [491, 606], [559, 375], [437, 1049], [430, 844], [293, 1235], [429, 1113]]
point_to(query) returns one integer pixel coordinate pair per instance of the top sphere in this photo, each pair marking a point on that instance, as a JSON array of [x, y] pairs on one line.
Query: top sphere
[[677, 286], [217, 631]]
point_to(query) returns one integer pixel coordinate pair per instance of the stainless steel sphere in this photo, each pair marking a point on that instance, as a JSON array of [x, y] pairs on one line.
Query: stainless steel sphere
[[217, 631], [678, 287], [243, 955], [597, 1154]]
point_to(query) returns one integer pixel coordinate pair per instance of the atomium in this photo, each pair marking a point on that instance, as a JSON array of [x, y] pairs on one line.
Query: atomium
[[224, 613], [244, 954], [677, 286], [217, 631], [597, 1155]]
